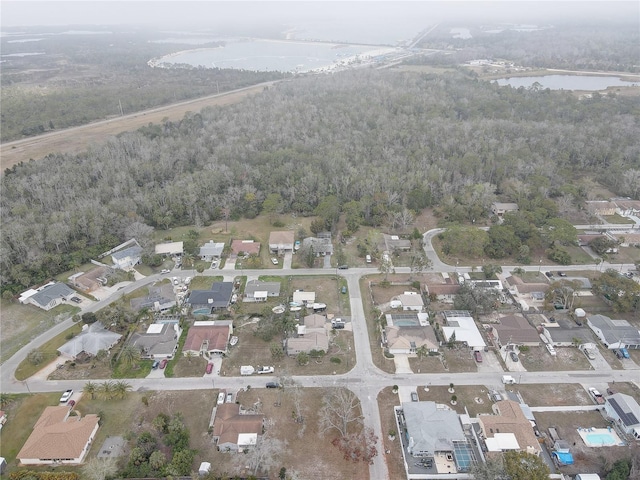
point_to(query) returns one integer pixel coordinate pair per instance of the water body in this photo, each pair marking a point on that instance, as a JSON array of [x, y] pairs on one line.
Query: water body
[[567, 82], [268, 55]]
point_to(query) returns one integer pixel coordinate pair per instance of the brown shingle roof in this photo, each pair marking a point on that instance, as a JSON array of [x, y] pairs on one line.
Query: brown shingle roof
[[238, 246], [510, 419], [228, 423], [281, 238], [517, 329], [216, 335], [57, 436]]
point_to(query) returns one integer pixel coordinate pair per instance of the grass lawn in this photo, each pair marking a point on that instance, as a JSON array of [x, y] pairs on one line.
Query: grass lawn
[[625, 255], [538, 359], [556, 394], [578, 255], [22, 323], [371, 313], [49, 352], [617, 219], [189, 367], [203, 282], [459, 359], [386, 401], [22, 414]]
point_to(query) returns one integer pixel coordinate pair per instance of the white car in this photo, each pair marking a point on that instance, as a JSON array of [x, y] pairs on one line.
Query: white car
[[274, 260], [265, 370], [66, 396], [165, 270]]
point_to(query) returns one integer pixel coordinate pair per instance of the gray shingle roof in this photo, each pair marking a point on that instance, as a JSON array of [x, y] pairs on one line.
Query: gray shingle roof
[[52, 292]]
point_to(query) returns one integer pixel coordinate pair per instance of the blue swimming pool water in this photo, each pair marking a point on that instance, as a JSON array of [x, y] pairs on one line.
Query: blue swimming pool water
[[406, 323], [598, 439]]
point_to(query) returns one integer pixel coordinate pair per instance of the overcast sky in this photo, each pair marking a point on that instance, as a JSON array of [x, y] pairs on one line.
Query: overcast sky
[[208, 13]]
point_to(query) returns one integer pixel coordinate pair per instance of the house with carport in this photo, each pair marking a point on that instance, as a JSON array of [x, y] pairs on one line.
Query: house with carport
[[259, 291], [625, 412], [59, 438], [312, 334], [211, 251], [281, 242], [614, 333]]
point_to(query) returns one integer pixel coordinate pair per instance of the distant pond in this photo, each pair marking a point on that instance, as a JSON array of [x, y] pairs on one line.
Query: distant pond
[[567, 82]]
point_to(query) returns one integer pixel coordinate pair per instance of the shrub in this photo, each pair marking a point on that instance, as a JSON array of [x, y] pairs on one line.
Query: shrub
[[335, 360]]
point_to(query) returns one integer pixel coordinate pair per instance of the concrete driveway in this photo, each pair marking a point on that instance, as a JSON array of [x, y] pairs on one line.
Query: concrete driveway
[[490, 363], [599, 363], [402, 363]]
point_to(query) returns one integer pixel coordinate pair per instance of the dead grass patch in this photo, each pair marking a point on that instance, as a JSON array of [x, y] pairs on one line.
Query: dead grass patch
[[395, 463], [562, 394], [538, 359]]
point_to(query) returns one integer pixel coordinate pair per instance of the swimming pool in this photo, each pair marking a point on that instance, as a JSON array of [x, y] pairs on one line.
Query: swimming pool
[[600, 437], [406, 323]]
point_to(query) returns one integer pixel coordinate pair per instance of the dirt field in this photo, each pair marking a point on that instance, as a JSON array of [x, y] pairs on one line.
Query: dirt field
[[537, 359], [559, 394], [78, 139]]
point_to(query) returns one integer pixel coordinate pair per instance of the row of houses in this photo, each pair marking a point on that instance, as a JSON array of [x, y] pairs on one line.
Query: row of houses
[[622, 206]]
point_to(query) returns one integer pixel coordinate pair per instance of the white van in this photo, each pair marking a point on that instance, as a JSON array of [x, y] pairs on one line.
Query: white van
[[368, 258]]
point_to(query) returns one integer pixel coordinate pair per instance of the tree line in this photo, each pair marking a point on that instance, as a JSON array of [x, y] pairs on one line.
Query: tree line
[[369, 144]]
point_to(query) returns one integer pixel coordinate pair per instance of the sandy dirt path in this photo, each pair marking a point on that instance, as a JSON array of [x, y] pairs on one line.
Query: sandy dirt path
[[78, 139]]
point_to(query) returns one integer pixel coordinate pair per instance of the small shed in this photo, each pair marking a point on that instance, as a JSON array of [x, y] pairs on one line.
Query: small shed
[[205, 468], [580, 313]]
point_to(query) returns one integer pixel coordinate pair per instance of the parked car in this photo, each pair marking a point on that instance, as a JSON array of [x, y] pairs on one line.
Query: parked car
[[274, 260], [343, 267], [513, 356], [343, 289], [272, 385], [209, 368], [549, 274], [624, 352], [66, 396], [610, 391], [562, 274], [597, 396], [229, 397], [478, 356], [618, 353], [414, 396], [337, 324], [75, 299], [163, 363], [165, 270], [155, 365], [221, 397], [265, 369]]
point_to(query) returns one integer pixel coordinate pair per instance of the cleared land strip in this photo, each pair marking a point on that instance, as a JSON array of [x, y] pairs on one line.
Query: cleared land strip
[[78, 139]]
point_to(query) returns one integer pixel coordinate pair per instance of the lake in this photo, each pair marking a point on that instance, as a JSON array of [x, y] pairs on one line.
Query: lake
[[567, 82], [272, 55]]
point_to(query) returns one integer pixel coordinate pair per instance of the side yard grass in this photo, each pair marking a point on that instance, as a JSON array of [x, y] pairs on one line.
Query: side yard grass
[[554, 394]]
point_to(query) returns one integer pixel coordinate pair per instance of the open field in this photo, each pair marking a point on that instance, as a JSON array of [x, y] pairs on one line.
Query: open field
[[559, 394], [79, 139], [538, 359]]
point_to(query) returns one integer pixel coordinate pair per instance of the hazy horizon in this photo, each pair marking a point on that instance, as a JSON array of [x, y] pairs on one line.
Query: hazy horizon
[[248, 14]]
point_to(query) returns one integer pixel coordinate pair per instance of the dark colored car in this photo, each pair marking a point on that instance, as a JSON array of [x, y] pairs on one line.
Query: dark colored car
[[343, 289], [71, 403], [272, 385], [343, 267], [163, 363], [75, 299], [549, 274], [155, 364], [209, 368], [514, 357], [562, 274]]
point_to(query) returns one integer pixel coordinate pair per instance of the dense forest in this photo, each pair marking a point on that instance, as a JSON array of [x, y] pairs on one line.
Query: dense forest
[[375, 142]]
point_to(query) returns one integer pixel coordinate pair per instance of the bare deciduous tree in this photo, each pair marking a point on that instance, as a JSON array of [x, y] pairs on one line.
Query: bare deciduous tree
[[340, 408], [264, 456]]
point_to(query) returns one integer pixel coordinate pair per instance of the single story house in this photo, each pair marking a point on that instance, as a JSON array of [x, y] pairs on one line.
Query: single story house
[[628, 207], [625, 411], [303, 298], [431, 428], [410, 301], [211, 251], [47, 296], [442, 292], [281, 242], [310, 335], [258, 291], [516, 329], [159, 341], [207, 339], [91, 340], [407, 340], [394, 242], [160, 299], [59, 438], [614, 333], [234, 430], [320, 246], [170, 248], [245, 248], [461, 327], [560, 336], [127, 258], [508, 429], [500, 209], [217, 298]]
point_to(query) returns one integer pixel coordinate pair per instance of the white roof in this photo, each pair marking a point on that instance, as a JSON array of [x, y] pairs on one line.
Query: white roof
[[304, 297], [247, 439], [170, 248], [465, 329], [155, 328], [502, 441]]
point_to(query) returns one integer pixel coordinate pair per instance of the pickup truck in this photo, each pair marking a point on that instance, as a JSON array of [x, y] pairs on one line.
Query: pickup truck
[[597, 396], [265, 370]]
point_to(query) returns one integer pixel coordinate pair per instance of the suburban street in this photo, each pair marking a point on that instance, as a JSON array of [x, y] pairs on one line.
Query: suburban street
[[364, 379]]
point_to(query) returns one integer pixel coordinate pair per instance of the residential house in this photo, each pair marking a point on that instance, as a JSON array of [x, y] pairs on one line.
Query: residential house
[[258, 291], [442, 292], [47, 296], [601, 207], [160, 299], [245, 248], [319, 245], [508, 429], [628, 207], [207, 339], [127, 258], [431, 429], [500, 209], [234, 430], [410, 301], [304, 298], [159, 341], [171, 249], [93, 279], [58, 438], [394, 243], [281, 242], [515, 329], [614, 333], [408, 339], [91, 340], [562, 336], [312, 334], [211, 251], [461, 327], [208, 301], [625, 411]]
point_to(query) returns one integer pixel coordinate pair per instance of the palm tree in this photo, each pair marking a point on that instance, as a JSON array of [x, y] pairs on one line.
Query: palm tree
[[106, 390], [129, 355], [90, 388], [121, 389]]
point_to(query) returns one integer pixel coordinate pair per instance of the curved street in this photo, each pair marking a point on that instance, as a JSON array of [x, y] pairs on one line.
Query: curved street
[[364, 379]]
